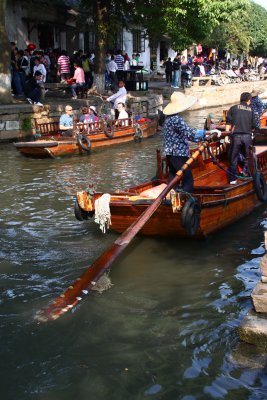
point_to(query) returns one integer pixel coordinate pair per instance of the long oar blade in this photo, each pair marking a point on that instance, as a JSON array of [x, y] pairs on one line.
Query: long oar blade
[[74, 294]]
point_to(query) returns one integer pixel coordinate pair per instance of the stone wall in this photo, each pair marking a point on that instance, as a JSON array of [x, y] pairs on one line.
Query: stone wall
[[214, 96]]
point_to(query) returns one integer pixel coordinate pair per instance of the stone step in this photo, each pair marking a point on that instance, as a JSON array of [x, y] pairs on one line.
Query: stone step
[[259, 297], [253, 329]]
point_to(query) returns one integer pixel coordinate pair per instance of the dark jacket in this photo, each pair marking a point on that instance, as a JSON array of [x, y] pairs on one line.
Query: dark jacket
[[168, 66], [176, 63], [31, 84], [241, 118]]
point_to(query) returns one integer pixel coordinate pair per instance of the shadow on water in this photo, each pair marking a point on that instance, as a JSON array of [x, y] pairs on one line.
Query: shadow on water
[[167, 327]]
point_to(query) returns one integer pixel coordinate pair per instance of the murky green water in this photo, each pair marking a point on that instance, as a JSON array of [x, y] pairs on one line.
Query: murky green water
[[167, 327]]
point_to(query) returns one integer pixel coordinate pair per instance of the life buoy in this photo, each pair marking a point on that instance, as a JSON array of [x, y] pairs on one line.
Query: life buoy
[[139, 133], [190, 216], [84, 142], [260, 186], [108, 129], [81, 214]]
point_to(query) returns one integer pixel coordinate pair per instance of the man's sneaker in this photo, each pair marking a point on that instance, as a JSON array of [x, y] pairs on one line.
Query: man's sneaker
[[233, 182], [244, 173], [37, 103], [29, 100], [176, 87]]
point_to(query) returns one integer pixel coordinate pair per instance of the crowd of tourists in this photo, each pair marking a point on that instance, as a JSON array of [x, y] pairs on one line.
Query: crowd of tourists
[[57, 66], [180, 70]]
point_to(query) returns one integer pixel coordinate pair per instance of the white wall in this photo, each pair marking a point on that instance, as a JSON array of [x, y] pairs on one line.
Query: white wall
[[128, 48]]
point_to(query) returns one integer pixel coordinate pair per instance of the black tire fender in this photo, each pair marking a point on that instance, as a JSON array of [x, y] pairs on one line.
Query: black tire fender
[[84, 142], [260, 186], [108, 129], [138, 133], [81, 214], [190, 216]]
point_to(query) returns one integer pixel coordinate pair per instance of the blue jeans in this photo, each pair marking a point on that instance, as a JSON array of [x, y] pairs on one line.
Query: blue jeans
[[35, 95], [75, 86], [175, 78], [16, 83]]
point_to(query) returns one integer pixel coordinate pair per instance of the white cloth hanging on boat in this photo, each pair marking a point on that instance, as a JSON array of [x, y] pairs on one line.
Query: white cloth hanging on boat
[[102, 212]]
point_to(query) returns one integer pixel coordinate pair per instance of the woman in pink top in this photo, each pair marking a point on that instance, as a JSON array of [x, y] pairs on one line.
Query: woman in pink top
[[78, 78]]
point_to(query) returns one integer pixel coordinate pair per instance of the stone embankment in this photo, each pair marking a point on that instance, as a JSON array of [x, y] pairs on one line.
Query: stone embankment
[[17, 120], [253, 328], [216, 96]]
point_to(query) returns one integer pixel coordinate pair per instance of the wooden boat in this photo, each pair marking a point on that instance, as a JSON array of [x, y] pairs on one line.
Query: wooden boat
[[87, 137], [260, 136], [213, 205]]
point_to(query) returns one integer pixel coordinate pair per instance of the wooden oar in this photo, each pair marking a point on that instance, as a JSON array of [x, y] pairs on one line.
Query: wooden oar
[[80, 287]]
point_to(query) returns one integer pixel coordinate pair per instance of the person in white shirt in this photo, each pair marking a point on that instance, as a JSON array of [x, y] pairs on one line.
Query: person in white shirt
[[123, 115], [112, 68], [118, 97], [39, 67]]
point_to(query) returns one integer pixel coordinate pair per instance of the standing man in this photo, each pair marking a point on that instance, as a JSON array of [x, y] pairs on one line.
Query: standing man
[[168, 70], [176, 64], [241, 120], [118, 97], [119, 60], [66, 122], [112, 68]]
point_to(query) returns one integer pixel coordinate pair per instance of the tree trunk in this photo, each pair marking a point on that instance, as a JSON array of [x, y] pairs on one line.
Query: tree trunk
[[101, 24], [5, 76]]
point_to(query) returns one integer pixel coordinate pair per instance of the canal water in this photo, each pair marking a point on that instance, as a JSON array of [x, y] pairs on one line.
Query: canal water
[[166, 329]]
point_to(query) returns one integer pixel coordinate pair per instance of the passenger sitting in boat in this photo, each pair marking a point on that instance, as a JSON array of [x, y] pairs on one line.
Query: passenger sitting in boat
[[123, 115], [93, 114], [85, 117], [176, 136], [66, 122], [241, 120]]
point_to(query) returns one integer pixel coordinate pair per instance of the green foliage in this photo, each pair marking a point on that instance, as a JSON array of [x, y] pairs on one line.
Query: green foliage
[[26, 124], [258, 30]]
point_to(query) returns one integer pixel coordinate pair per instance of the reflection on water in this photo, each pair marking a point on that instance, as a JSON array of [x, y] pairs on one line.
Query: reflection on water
[[167, 327]]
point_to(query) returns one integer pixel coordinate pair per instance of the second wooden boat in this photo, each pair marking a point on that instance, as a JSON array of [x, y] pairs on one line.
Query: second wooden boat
[[88, 137]]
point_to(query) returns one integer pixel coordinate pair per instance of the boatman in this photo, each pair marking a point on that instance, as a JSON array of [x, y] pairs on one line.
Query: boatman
[[240, 120], [66, 122], [118, 97], [176, 136]]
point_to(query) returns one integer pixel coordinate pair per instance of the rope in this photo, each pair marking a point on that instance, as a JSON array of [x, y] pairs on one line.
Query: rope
[[102, 212], [215, 162]]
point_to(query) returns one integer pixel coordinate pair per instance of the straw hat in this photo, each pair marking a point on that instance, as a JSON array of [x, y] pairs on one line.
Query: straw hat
[[179, 102], [255, 92], [93, 109]]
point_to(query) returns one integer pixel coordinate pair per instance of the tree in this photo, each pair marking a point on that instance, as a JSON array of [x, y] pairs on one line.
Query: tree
[[258, 30], [192, 21], [5, 77], [109, 18]]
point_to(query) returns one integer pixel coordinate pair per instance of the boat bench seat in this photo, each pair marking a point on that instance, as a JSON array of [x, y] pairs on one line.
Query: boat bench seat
[[47, 128]]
